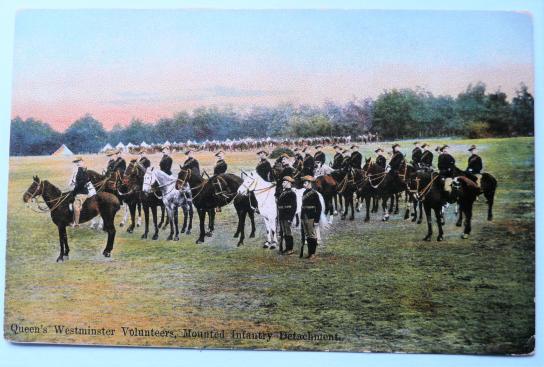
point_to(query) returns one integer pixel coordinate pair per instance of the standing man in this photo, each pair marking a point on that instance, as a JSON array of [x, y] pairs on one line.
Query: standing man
[[380, 158], [337, 159], [166, 161], [308, 165], [416, 155], [426, 158], [220, 165], [310, 214], [356, 157], [475, 164], [264, 168], [287, 171], [319, 156], [81, 187], [191, 163], [287, 207], [398, 158]]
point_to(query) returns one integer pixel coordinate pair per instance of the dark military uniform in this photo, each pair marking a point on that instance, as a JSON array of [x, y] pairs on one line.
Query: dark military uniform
[[337, 161], [396, 161], [193, 165], [319, 156], [416, 156], [346, 163], [264, 169], [119, 165], [474, 167], [82, 179], [310, 214], [144, 162], [287, 170], [220, 167], [308, 165], [287, 207], [446, 164], [426, 159], [111, 165], [166, 164], [356, 160], [381, 161]]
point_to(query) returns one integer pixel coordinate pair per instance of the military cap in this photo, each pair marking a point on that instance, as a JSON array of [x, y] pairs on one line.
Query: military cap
[[188, 151], [318, 146], [379, 149], [337, 147], [395, 145], [345, 151], [424, 145], [262, 151], [165, 148], [305, 149], [77, 159], [444, 147], [288, 178], [284, 155], [308, 178], [416, 142], [109, 153], [472, 147], [354, 147], [218, 153]]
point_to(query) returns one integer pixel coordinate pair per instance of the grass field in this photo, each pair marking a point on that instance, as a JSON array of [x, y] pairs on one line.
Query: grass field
[[377, 286]]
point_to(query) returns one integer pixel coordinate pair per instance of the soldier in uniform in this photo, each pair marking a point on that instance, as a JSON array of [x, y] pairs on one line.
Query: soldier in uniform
[[446, 165], [356, 157], [111, 162], [264, 168], [346, 160], [81, 187], [191, 163], [380, 158], [416, 155], [396, 161], [119, 164], [426, 161], [287, 207], [310, 214], [475, 164], [287, 171], [220, 165], [142, 159], [337, 159], [297, 165], [166, 161], [308, 165], [319, 156]]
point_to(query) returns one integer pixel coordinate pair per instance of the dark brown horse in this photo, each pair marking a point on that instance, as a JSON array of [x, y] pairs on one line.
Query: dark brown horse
[[103, 203], [328, 187], [465, 191], [488, 188], [209, 194]]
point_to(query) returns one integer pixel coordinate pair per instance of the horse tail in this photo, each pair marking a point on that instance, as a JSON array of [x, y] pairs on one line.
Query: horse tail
[[323, 221]]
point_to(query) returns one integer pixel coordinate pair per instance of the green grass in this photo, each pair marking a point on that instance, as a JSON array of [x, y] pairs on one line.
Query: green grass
[[377, 285]]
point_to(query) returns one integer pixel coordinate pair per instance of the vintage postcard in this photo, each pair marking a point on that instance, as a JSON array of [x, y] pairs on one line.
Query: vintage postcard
[[327, 180]]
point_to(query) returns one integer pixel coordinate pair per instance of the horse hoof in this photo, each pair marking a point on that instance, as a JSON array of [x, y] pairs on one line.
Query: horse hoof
[[176, 238], [357, 210], [199, 241], [367, 220], [335, 212], [107, 254], [155, 237], [343, 217], [458, 224], [130, 230], [272, 247], [169, 238], [60, 259], [188, 231], [144, 236], [252, 235], [351, 218], [236, 235], [239, 244], [464, 236], [419, 222], [209, 234], [490, 218], [265, 245], [427, 238], [439, 238]]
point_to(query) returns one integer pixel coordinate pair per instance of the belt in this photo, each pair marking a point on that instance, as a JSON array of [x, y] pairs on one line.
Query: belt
[[285, 206], [308, 207]]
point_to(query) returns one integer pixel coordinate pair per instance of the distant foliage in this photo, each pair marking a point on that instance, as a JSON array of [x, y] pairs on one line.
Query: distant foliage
[[279, 151], [394, 114]]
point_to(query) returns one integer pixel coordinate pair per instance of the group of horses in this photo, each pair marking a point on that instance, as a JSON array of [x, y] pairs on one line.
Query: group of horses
[[139, 187]]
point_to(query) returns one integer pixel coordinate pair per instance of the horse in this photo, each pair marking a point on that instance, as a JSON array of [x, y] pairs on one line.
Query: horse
[[172, 198], [209, 194], [103, 203], [263, 192], [327, 186], [134, 178], [345, 187], [488, 188]]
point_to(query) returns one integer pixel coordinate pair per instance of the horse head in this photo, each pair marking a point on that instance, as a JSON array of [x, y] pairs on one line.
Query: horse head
[[35, 189], [248, 184]]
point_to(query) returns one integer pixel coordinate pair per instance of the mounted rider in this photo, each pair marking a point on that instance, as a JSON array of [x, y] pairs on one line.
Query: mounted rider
[[308, 165], [446, 166], [166, 161], [426, 161], [264, 168], [191, 163], [319, 156], [82, 188], [142, 159], [310, 214], [111, 162], [356, 159], [338, 158], [396, 160], [299, 159], [119, 164], [287, 207], [381, 161], [475, 165], [220, 165], [417, 153]]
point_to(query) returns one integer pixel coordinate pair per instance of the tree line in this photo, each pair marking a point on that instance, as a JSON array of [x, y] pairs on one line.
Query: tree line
[[394, 114]]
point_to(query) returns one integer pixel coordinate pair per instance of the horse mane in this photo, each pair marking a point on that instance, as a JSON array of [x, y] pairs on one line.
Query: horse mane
[[55, 189]]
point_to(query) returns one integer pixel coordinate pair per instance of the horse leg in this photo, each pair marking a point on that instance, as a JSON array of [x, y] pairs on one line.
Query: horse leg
[[468, 219], [384, 208], [132, 208], [154, 214], [239, 212], [185, 215], [459, 222], [335, 204], [201, 217], [392, 203], [162, 216], [176, 223], [211, 222], [428, 216], [490, 197], [420, 213], [368, 203], [146, 222], [171, 222], [352, 207], [252, 220], [125, 215], [397, 198], [346, 207], [62, 234], [241, 223], [139, 223], [190, 225], [438, 215]]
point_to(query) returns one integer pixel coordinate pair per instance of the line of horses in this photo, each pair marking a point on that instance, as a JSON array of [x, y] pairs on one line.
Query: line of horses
[[340, 190]]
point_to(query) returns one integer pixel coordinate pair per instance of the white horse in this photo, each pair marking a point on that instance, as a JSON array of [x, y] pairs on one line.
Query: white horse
[[266, 203], [171, 197]]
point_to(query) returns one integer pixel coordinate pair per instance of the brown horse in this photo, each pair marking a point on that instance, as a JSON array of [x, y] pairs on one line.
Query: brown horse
[[103, 203], [327, 187], [465, 191]]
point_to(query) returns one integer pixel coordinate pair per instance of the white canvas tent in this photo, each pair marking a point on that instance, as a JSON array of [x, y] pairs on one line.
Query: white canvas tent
[[121, 146], [62, 151], [144, 144], [166, 144], [130, 145], [106, 148]]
